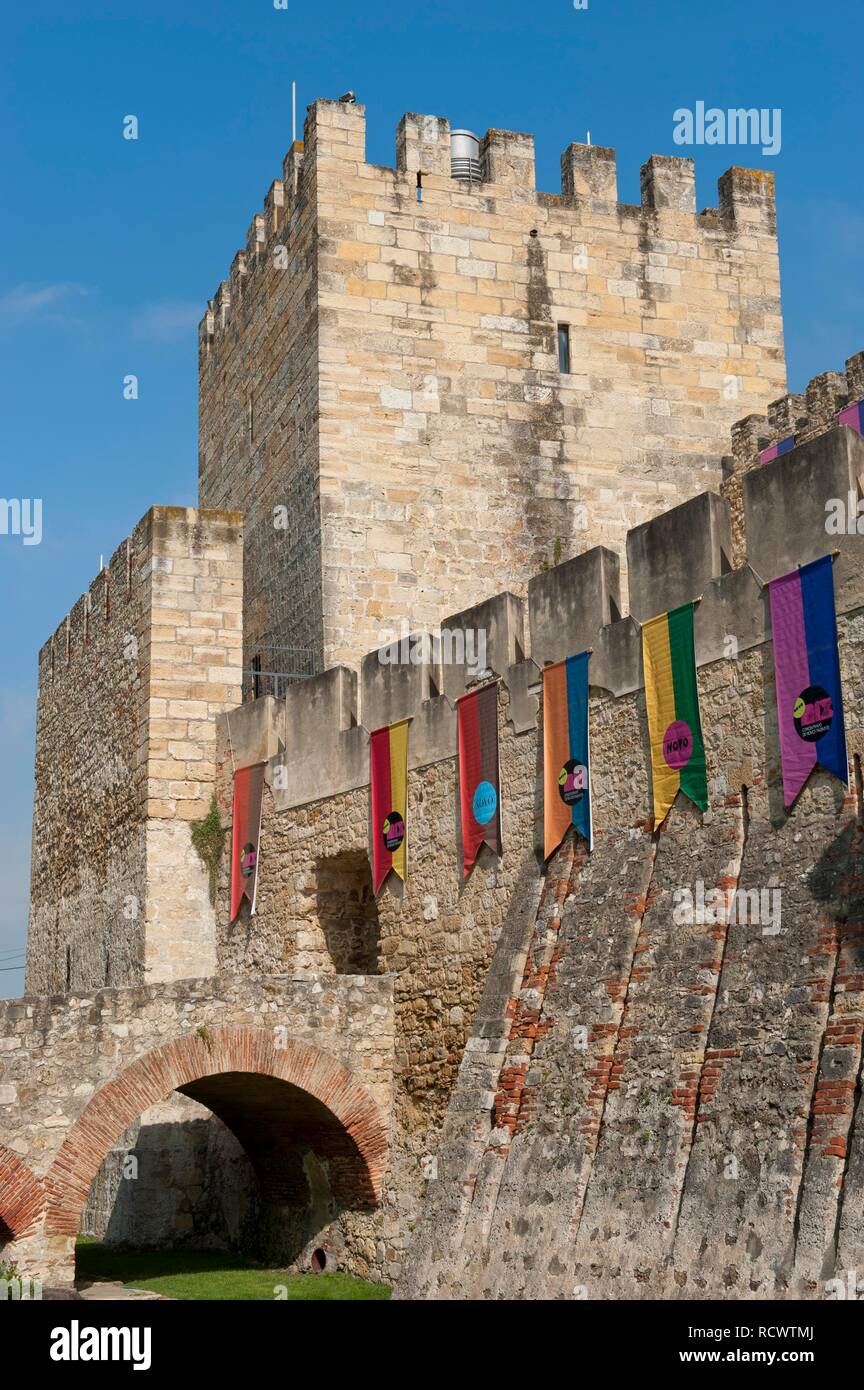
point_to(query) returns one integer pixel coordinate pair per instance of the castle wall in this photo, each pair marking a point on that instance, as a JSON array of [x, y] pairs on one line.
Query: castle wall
[[804, 415], [129, 688], [258, 421], [435, 935], [449, 454], [89, 851], [562, 1041], [671, 1105], [81, 1072], [454, 453]]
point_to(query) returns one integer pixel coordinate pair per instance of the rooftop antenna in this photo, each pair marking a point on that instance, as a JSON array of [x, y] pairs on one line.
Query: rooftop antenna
[[293, 112], [101, 563]]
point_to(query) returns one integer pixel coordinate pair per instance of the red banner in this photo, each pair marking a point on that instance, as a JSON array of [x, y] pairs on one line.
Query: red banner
[[479, 792], [245, 834]]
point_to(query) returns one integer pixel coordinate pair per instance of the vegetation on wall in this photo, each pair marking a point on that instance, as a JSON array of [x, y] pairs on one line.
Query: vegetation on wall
[[208, 838]]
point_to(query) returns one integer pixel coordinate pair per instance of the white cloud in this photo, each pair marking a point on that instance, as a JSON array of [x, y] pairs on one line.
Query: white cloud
[[26, 302], [168, 321]]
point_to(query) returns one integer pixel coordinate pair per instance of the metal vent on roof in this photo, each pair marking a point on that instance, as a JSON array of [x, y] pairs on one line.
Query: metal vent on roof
[[465, 160]]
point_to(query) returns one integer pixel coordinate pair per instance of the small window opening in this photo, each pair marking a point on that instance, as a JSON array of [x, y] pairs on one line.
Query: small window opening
[[419, 187], [256, 677], [564, 347]]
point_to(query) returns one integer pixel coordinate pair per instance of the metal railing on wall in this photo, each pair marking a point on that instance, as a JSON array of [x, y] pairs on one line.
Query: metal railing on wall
[[284, 666]]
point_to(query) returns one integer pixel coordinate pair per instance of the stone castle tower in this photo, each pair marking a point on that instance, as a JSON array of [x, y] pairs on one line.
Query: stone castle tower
[[412, 387], [419, 389]]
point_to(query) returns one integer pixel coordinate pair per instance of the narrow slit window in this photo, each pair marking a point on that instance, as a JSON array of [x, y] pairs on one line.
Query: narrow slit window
[[564, 347], [256, 677]]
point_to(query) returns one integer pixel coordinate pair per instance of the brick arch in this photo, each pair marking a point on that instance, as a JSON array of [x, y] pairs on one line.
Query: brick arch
[[193, 1064], [22, 1196]]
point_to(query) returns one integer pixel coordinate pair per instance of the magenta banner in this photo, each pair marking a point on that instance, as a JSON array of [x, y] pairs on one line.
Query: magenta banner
[[807, 675]]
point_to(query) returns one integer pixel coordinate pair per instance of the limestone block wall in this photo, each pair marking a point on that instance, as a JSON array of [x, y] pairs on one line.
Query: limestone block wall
[[129, 687], [449, 453], [84, 923], [580, 1063], [195, 672], [258, 419]]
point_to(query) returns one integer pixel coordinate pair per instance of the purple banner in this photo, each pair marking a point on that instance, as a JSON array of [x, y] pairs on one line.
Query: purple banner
[[807, 675]]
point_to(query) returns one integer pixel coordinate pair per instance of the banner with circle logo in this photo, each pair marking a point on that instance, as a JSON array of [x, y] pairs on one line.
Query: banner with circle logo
[[566, 752], [388, 753], [672, 699], [245, 835], [807, 675], [479, 790]]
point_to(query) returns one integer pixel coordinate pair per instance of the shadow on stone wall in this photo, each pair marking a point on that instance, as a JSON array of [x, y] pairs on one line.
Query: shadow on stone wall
[[348, 913], [181, 1180]]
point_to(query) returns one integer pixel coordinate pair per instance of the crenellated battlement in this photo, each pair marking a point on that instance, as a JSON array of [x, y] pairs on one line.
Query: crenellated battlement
[[801, 417], [439, 384], [114, 595], [335, 133], [318, 735], [418, 390], [804, 415]]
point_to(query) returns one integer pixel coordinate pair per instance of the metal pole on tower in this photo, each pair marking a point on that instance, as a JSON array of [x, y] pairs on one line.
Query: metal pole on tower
[[293, 112]]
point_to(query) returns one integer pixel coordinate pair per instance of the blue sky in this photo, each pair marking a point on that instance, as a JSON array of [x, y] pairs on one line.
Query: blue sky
[[110, 247]]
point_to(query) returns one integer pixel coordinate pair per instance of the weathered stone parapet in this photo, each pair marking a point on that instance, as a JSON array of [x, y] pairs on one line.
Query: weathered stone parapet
[[589, 172], [804, 416], [423, 145], [671, 558], [668, 184], [747, 198]]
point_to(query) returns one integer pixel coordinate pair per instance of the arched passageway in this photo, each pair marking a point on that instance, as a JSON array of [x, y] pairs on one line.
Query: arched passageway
[[289, 1107]]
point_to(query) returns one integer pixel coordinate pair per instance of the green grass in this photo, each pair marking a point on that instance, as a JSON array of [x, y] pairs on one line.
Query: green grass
[[212, 1274]]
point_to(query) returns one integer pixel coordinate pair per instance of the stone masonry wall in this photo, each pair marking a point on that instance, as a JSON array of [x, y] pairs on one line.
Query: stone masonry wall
[[664, 1106], [450, 453], [89, 854], [129, 688], [435, 936], [258, 421], [804, 415], [609, 1052], [76, 1072]]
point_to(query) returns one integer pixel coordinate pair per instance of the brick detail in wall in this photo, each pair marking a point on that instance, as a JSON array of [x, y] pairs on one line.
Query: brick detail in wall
[[187, 1060], [22, 1196], [514, 1102]]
